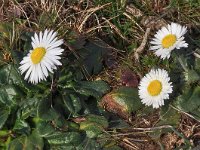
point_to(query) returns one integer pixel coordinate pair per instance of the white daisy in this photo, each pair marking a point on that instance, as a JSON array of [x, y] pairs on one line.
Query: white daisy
[[167, 39], [155, 87], [43, 58]]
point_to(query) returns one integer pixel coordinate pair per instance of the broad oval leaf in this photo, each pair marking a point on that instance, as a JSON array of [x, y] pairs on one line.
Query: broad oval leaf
[[31, 142], [4, 112], [67, 138], [46, 111], [44, 128], [9, 75], [122, 101], [21, 127], [93, 88], [72, 102], [190, 101], [94, 125]]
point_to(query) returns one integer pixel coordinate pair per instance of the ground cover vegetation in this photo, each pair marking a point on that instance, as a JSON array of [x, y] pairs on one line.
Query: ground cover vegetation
[[99, 74]]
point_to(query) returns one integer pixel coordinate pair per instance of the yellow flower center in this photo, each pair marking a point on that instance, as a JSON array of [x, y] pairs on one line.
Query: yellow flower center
[[37, 54], [154, 88], [168, 40]]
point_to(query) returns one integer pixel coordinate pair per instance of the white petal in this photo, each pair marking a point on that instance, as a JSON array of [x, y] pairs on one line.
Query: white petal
[[28, 72], [44, 69], [56, 44], [37, 41], [52, 38], [40, 37]]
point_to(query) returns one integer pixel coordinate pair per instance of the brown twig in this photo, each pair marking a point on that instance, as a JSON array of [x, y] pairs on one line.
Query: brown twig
[[153, 128], [140, 49], [196, 55], [131, 133], [130, 144]]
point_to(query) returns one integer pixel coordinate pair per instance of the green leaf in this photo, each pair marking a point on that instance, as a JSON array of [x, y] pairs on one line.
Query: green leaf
[[72, 102], [26, 37], [89, 144], [4, 112], [93, 54], [76, 103], [36, 141], [62, 147], [68, 103], [101, 120], [4, 133], [114, 147], [189, 101], [67, 138], [197, 64], [18, 143], [7, 94], [192, 76], [28, 107], [122, 101], [92, 129], [73, 97], [44, 128], [21, 127], [66, 76], [9, 75], [4, 142], [93, 88], [128, 98], [46, 111], [32, 142], [6, 29], [169, 116], [117, 122], [94, 125]]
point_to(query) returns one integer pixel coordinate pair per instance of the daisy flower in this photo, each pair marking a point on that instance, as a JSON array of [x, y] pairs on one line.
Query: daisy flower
[[155, 87], [167, 39], [43, 58]]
